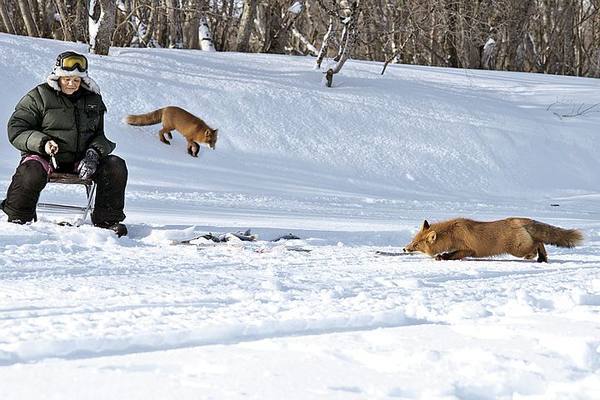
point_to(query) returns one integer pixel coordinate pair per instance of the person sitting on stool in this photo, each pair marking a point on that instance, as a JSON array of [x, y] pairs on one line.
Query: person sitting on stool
[[59, 126]]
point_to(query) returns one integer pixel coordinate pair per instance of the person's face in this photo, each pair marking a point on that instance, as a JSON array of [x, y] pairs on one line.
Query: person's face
[[69, 84]]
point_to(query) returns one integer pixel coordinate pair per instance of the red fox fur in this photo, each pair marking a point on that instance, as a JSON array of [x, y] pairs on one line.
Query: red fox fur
[[191, 127], [522, 237]]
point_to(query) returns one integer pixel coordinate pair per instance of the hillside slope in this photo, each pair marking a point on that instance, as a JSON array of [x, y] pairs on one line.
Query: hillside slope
[[413, 133]]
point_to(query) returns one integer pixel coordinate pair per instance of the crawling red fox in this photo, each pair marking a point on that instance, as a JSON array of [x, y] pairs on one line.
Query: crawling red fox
[[522, 237]]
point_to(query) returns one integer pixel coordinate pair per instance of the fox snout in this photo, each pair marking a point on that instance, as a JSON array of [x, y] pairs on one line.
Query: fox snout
[[212, 138], [408, 249]]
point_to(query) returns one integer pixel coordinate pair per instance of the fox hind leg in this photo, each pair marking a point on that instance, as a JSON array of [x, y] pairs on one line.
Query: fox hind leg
[[542, 255], [161, 135]]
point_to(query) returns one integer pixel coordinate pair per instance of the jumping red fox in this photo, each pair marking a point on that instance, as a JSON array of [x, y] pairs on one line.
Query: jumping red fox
[[191, 127], [522, 237]]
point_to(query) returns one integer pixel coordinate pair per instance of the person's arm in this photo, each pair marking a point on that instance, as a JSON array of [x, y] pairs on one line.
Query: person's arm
[[24, 125]]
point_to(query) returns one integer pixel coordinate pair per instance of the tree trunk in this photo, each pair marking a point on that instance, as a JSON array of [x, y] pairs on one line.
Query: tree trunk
[[191, 25], [45, 16], [162, 25], [515, 33], [280, 36], [205, 35], [80, 27], [151, 25], [245, 28], [101, 30], [451, 34], [594, 53], [64, 20], [6, 19], [175, 26], [37, 18], [310, 48], [325, 44], [271, 22], [221, 21], [569, 62], [350, 40], [28, 18]]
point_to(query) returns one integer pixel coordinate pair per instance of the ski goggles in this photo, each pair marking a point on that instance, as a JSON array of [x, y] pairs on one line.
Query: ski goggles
[[73, 61]]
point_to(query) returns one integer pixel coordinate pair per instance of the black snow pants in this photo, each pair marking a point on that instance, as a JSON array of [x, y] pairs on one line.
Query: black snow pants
[[30, 179]]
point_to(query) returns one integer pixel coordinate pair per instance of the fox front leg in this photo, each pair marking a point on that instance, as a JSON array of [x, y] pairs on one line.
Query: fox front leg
[[193, 148], [454, 255]]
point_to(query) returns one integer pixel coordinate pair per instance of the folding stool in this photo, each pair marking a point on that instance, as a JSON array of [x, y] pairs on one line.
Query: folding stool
[[73, 179]]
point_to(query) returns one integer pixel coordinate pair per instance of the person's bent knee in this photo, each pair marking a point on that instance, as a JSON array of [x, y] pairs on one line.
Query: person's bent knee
[[115, 161], [114, 165], [32, 175]]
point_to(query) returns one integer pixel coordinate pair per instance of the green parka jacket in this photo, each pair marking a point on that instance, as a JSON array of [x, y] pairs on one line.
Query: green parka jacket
[[47, 114]]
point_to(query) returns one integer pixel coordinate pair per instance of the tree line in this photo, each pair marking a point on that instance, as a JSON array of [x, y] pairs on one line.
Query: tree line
[[547, 36]]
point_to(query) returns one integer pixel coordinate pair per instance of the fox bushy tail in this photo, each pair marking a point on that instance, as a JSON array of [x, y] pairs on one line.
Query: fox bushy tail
[[150, 118], [553, 235]]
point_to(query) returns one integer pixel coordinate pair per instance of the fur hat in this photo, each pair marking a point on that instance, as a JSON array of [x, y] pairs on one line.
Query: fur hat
[[58, 71]]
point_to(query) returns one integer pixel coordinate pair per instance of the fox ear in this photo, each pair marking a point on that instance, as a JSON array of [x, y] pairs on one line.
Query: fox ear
[[431, 236], [425, 225]]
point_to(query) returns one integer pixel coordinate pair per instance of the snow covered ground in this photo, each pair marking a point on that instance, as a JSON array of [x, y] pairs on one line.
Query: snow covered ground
[[350, 170]]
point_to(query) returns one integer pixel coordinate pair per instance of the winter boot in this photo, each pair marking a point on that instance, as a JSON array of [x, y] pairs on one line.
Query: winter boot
[[117, 227]]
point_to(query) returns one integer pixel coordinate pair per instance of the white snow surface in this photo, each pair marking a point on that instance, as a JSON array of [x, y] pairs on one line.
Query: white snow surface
[[351, 170]]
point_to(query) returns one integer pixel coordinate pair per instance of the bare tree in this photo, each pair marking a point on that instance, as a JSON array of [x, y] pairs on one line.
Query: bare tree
[[245, 26], [205, 36], [325, 44], [7, 20], [27, 16], [348, 40], [102, 25], [80, 22], [514, 34], [191, 25], [280, 25], [64, 20], [175, 24]]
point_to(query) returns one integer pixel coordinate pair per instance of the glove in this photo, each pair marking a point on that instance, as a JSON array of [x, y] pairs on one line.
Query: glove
[[51, 147], [89, 164]]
